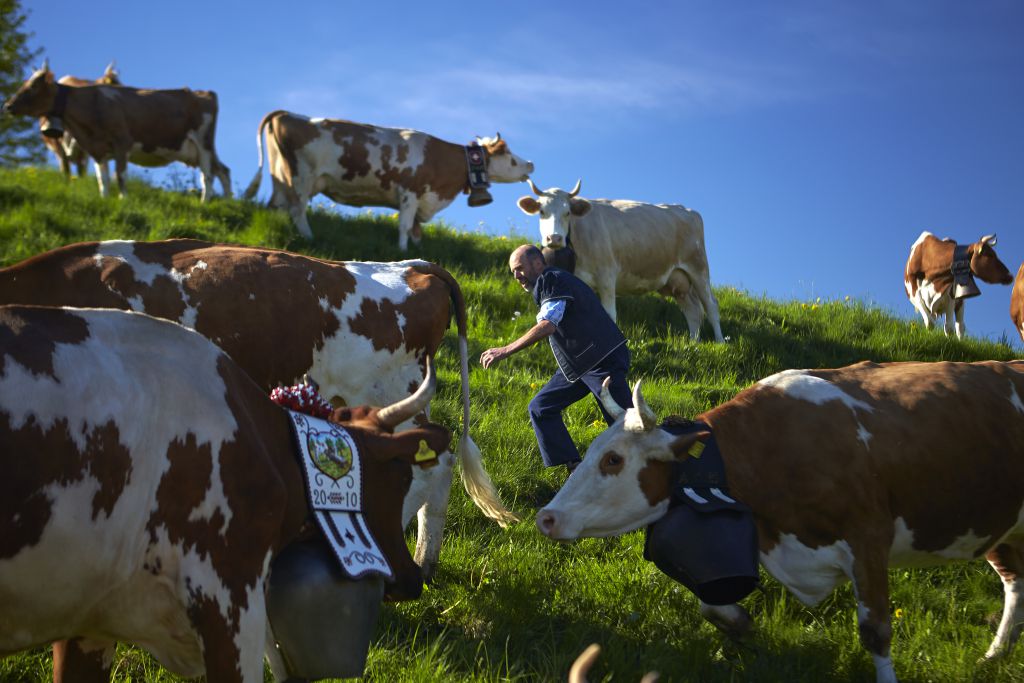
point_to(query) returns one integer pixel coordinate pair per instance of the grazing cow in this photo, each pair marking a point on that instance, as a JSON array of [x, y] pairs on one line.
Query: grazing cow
[[847, 472], [146, 127], [364, 165], [361, 330], [64, 147], [930, 281], [626, 247], [150, 482], [1017, 302]]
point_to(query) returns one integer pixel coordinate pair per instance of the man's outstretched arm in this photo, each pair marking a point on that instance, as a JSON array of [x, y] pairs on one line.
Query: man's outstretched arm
[[541, 330]]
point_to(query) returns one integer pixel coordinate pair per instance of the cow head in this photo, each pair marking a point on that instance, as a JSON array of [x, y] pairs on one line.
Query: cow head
[[624, 481], [986, 265], [556, 208], [35, 97], [502, 165]]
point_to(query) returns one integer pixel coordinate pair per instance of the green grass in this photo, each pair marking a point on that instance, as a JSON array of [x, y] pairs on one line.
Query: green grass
[[511, 605]]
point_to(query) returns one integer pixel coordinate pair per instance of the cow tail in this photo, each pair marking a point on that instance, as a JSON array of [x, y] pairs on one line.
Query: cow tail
[[254, 184], [475, 479]]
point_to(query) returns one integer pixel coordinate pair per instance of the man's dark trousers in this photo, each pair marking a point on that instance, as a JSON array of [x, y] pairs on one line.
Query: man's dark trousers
[[556, 446]]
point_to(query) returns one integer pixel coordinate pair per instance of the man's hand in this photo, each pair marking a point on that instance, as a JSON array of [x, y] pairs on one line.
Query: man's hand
[[492, 356]]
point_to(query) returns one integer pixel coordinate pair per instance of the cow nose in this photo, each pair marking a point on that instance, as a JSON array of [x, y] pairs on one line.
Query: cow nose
[[547, 522], [553, 241]]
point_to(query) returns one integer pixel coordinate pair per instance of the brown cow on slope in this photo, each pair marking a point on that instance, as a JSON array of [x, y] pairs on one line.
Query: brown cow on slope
[[146, 127], [365, 165], [848, 472], [64, 147], [929, 279], [149, 484]]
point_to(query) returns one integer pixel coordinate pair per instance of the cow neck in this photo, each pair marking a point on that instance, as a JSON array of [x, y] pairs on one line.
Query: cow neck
[[476, 168], [60, 101]]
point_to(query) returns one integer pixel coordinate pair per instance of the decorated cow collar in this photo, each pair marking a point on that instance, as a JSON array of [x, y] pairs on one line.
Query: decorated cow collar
[[476, 161], [332, 471], [964, 286]]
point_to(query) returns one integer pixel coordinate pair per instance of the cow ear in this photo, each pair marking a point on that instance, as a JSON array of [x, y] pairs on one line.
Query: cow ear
[[529, 205], [415, 446], [579, 207], [689, 445]]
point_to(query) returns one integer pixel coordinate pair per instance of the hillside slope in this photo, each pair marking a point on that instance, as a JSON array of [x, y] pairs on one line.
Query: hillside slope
[[509, 605]]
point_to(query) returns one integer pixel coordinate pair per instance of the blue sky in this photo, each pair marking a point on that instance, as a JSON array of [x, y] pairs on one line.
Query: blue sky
[[817, 139]]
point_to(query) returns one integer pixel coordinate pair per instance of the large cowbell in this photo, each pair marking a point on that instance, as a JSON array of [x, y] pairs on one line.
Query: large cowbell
[[476, 160], [51, 127], [964, 286], [321, 621]]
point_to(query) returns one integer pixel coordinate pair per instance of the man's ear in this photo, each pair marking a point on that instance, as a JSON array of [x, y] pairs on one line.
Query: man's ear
[[529, 205], [579, 207], [689, 445]]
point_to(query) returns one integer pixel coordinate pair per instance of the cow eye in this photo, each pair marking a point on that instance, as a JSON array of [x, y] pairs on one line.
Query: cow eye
[[614, 459]]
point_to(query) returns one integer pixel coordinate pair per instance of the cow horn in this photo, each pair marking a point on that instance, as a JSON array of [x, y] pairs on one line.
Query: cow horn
[[990, 240], [110, 68], [397, 413], [640, 418], [46, 65], [576, 190], [609, 403], [536, 190], [497, 136]]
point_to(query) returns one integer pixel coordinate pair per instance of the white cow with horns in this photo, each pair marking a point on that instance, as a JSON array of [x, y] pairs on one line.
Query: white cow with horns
[[627, 247]]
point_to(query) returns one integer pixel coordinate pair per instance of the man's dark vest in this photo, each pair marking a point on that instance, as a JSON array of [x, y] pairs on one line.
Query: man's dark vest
[[586, 334]]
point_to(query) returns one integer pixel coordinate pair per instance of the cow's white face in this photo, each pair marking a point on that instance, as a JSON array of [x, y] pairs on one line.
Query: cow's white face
[[502, 165], [556, 209], [623, 482]]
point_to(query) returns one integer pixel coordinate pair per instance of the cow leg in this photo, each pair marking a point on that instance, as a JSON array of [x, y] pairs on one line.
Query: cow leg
[[606, 292], [223, 174], [733, 620], [961, 329], [437, 482], [232, 648], [83, 660], [120, 172], [871, 586], [950, 315], [1008, 561], [407, 207], [702, 288], [102, 176]]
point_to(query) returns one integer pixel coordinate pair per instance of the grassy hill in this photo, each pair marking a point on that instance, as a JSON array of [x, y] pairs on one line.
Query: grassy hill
[[510, 605]]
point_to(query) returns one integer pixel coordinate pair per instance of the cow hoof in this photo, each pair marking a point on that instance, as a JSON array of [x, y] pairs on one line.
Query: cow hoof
[[732, 620], [429, 571]]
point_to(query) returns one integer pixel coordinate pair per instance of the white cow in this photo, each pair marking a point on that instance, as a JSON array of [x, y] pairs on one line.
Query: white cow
[[627, 247]]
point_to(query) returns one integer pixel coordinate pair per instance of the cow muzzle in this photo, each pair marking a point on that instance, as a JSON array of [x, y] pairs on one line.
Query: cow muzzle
[[554, 241]]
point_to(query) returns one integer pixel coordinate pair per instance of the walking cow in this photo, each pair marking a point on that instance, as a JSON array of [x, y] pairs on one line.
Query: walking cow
[[149, 485], [146, 127], [364, 165], [940, 275], [627, 247], [847, 472]]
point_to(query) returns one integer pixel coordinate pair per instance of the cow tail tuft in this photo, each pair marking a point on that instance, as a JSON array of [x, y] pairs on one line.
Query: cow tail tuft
[[254, 184], [474, 477]]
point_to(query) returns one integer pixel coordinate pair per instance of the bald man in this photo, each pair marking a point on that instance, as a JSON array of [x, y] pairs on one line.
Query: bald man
[[587, 345]]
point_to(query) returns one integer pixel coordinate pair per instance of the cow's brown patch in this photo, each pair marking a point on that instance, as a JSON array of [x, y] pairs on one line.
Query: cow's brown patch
[[378, 322], [33, 458], [355, 141], [73, 662], [290, 133], [427, 310], [32, 345], [655, 479], [221, 655]]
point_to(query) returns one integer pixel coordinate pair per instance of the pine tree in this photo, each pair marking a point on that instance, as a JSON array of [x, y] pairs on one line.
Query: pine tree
[[20, 142]]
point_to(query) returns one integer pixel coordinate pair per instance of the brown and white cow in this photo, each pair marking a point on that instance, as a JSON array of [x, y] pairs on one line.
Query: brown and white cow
[[929, 281], [848, 472], [627, 247], [64, 147], [1017, 302], [365, 165], [361, 330], [149, 483], [146, 127]]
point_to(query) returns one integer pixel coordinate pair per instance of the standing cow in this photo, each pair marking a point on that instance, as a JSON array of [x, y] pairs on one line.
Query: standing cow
[[146, 127], [63, 146], [361, 330], [932, 285], [627, 247], [1017, 302], [149, 483], [847, 472], [365, 165]]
